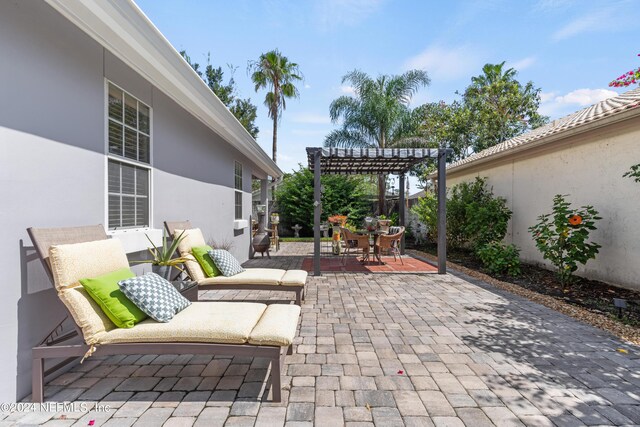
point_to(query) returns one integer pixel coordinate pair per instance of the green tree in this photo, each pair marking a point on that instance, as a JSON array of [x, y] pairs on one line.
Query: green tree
[[275, 71], [342, 195], [242, 109], [500, 106], [378, 116]]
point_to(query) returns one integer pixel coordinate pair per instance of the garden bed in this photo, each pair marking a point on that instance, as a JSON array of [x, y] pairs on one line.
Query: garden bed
[[590, 301]]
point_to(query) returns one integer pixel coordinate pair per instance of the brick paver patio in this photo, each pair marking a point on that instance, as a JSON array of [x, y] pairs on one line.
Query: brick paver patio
[[384, 349]]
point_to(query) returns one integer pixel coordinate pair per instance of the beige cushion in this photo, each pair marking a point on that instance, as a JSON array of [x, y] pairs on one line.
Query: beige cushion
[[250, 276], [69, 264], [294, 278], [192, 237], [277, 326], [193, 268], [208, 322]]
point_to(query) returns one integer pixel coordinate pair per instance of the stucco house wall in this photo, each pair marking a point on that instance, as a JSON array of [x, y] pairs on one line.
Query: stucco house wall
[[53, 169], [587, 166]]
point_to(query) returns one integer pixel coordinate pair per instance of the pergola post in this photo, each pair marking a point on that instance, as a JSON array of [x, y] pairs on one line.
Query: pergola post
[[317, 209], [401, 210], [442, 211]]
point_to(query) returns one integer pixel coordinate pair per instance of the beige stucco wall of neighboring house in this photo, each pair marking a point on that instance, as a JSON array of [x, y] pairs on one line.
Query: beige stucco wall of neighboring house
[[589, 168]]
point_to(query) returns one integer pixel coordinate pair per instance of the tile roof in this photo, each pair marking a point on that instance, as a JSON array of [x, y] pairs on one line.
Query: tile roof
[[601, 110]]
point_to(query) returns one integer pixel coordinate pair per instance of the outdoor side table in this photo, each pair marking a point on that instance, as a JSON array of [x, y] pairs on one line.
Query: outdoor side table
[[188, 288]]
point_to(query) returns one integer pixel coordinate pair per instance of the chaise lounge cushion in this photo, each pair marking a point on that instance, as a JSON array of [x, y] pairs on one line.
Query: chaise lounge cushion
[[191, 238], [294, 278], [277, 326], [217, 322], [252, 276], [69, 264]]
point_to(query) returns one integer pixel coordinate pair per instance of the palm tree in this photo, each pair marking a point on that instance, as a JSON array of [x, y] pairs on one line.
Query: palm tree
[[275, 71], [378, 116]]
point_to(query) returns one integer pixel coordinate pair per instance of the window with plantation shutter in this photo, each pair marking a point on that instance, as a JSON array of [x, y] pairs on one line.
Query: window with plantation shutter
[[129, 160]]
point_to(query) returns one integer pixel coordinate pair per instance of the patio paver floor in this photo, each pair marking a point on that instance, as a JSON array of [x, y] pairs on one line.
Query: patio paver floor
[[389, 349]]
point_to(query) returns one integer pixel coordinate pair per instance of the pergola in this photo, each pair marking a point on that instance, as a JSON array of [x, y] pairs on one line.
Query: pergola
[[374, 161]]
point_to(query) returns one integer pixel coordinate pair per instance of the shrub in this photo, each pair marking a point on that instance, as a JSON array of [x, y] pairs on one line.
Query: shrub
[[633, 173], [474, 215], [487, 221], [427, 212], [562, 235], [499, 258]]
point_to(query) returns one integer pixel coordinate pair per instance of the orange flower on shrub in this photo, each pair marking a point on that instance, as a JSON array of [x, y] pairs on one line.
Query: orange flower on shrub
[[575, 220]]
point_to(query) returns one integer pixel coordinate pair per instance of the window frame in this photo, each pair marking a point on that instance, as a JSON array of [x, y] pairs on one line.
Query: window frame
[[127, 161], [238, 191]]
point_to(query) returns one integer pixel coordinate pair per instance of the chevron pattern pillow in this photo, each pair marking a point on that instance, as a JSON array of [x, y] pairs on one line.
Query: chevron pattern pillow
[[155, 296], [226, 263]]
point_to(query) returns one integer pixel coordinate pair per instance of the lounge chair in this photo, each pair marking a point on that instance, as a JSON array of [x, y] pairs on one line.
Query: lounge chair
[[267, 279], [224, 328]]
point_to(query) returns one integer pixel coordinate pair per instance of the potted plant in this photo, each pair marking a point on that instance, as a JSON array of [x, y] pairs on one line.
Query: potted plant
[[162, 260]]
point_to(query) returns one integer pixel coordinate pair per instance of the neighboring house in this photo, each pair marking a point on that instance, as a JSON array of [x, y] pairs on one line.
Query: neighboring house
[[583, 155], [102, 121]]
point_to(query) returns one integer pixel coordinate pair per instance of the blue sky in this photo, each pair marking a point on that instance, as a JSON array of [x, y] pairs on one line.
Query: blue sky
[[571, 49]]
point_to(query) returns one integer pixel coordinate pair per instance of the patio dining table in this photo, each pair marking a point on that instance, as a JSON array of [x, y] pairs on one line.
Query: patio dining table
[[372, 234]]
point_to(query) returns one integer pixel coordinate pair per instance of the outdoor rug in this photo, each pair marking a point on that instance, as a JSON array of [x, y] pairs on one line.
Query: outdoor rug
[[353, 264]]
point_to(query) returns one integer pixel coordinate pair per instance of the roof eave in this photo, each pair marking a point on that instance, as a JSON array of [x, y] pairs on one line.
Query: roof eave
[[123, 29], [607, 121]]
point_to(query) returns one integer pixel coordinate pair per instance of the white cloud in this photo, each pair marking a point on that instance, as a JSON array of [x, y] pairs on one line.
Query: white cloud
[[310, 118], [445, 63], [334, 13], [307, 86], [593, 21], [555, 105], [584, 97], [348, 90], [523, 64]]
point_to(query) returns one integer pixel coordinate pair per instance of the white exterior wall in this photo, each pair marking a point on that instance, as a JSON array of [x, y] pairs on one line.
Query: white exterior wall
[[53, 167], [589, 168]]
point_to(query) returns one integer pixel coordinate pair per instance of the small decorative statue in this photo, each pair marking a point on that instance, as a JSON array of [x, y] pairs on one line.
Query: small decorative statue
[[296, 230]]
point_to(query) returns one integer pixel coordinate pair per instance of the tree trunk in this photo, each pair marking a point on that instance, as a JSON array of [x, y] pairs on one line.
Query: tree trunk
[[382, 190], [275, 137]]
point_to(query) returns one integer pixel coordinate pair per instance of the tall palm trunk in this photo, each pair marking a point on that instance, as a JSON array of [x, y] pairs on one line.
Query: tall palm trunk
[[382, 189], [275, 137]]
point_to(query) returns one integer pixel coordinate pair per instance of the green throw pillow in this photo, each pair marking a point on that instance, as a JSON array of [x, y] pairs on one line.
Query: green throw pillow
[[105, 291], [201, 255]]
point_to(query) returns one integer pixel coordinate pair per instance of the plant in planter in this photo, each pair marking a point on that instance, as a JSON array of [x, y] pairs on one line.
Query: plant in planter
[[562, 237], [163, 260]]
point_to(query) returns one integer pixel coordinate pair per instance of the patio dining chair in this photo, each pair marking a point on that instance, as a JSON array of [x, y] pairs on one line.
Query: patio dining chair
[[354, 242], [391, 243]]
